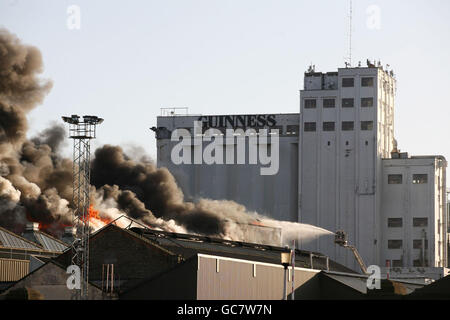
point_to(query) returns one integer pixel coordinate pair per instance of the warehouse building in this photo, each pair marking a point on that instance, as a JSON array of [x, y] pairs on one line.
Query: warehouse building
[[337, 159], [48, 282], [144, 264], [20, 256], [231, 270]]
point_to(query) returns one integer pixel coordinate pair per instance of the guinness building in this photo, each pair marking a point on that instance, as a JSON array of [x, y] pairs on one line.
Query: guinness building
[[271, 195], [239, 121], [339, 169]]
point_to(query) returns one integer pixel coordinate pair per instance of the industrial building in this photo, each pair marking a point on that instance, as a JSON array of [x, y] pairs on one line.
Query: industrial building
[[142, 264], [123, 260], [21, 255], [266, 194], [339, 168]]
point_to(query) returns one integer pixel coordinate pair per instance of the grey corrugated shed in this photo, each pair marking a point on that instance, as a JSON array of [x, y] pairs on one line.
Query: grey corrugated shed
[[188, 245], [49, 243], [355, 282], [11, 240]]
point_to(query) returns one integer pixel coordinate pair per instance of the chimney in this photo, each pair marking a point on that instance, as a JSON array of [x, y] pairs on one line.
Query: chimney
[[69, 234], [30, 228]]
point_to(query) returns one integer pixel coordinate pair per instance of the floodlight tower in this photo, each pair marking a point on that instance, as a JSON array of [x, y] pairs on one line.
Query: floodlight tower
[[81, 131]]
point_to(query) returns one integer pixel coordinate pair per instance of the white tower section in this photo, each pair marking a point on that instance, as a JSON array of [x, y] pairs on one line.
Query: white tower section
[[346, 128]]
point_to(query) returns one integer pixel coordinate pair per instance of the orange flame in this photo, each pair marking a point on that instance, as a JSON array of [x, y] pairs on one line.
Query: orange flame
[[93, 215], [257, 223]]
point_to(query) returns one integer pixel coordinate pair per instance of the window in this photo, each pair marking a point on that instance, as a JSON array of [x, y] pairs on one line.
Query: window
[[367, 82], [418, 263], [292, 129], [347, 125], [328, 126], [395, 244], [366, 125], [328, 103], [347, 103], [395, 222], [420, 222], [395, 178], [366, 102], [348, 82], [417, 244], [271, 130], [420, 178], [310, 103], [310, 126], [397, 263]]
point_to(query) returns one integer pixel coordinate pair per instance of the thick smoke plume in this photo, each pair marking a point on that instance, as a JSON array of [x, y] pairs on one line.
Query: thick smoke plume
[[149, 193], [36, 182], [33, 184]]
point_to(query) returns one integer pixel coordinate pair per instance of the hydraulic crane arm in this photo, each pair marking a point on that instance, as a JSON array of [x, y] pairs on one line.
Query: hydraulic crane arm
[[341, 239], [358, 258]]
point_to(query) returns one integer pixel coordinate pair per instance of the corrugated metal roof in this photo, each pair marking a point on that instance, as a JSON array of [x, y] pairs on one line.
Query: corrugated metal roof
[[188, 245], [11, 240], [357, 283], [49, 243]]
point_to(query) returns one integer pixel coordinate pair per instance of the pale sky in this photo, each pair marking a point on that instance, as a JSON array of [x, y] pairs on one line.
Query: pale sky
[[131, 58]]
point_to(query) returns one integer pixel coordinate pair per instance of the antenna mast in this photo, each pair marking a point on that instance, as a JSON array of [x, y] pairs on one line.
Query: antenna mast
[[81, 131], [350, 35]]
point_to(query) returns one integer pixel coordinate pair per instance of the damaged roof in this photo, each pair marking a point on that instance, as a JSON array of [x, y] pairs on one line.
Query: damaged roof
[[188, 245], [46, 241], [9, 239]]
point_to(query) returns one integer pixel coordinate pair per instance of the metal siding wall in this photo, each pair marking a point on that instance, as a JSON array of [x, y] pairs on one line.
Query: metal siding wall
[[13, 270], [235, 280]]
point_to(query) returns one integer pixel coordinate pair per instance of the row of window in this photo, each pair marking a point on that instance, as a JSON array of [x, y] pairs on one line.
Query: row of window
[[290, 129], [365, 82], [399, 263], [398, 222], [398, 178], [398, 244], [345, 126], [331, 103]]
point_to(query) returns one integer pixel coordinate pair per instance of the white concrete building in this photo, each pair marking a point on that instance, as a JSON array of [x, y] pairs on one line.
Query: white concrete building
[[335, 164], [414, 225], [272, 195], [346, 125]]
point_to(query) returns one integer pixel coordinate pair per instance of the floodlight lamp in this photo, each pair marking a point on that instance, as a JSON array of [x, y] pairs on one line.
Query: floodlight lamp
[[73, 119], [92, 119], [285, 258]]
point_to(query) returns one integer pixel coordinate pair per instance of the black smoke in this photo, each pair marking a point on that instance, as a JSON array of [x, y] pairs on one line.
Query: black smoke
[[36, 181]]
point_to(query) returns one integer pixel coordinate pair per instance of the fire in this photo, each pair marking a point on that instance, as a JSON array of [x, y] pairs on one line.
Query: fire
[[95, 219], [257, 223], [43, 226]]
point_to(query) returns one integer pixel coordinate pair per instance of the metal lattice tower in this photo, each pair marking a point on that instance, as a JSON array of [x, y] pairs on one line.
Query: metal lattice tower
[[81, 131]]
